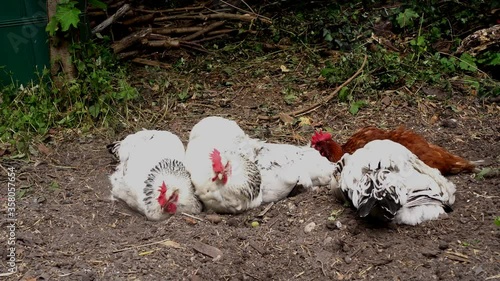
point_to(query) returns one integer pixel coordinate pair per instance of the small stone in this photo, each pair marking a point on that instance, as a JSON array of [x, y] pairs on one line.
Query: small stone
[[348, 259], [478, 270], [430, 253], [309, 227], [39, 199], [449, 123], [443, 245], [331, 225], [233, 222], [338, 224], [213, 218], [328, 240]]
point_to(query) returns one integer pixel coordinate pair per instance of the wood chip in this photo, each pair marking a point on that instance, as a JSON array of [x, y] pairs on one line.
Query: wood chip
[[211, 251]]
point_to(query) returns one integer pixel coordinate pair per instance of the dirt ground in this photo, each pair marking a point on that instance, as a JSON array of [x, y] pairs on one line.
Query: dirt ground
[[67, 229]]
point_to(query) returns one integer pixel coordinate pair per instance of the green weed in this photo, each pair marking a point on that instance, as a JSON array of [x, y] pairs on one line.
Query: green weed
[[98, 95]]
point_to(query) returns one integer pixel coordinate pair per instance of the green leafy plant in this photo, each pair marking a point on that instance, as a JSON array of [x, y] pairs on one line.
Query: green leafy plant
[[98, 94], [497, 221], [405, 19], [67, 15], [355, 106], [468, 62], [335, 214], [183, 95]]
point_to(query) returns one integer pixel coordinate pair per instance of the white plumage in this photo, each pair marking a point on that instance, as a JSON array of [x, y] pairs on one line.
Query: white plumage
[[220, 158], [283, 167], [385, 180], [151, 177]]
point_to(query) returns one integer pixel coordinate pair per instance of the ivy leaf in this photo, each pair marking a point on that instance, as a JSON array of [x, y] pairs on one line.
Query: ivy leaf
[[67, 16], [52, 26], [343, 94], [98, 4], [406, 18], [468, 62], [489, 59], [94, 110], [495, 59], [355, 106]]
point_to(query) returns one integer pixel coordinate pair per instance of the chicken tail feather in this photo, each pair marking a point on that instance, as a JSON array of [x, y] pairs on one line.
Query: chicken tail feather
[[383, 209]]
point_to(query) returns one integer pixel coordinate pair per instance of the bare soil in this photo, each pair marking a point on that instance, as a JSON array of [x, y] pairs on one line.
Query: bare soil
[[67, 229]]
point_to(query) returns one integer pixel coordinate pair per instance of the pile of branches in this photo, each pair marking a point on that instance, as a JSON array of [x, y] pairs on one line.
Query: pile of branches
[[138, 32]]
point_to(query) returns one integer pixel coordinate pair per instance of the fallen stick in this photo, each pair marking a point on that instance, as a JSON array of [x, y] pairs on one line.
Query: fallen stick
[[186, 9], [204, 30], [130, 40], [124, 55], [193, 217], [139, 19], [210, 38], [138, 246], [194, 46], [176, 30], [221, 31], [168, 43], [320, 103], [115, 5], [262, 18], [152, 63], [223, 16], [124, 9]]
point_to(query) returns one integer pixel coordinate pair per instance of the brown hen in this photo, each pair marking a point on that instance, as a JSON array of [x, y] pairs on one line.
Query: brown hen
[[432, 155]]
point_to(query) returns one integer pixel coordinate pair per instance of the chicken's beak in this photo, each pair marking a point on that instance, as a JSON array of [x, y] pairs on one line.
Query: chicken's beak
[[220, 176]]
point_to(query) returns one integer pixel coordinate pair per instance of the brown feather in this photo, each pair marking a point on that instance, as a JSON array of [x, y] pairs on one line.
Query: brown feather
[[432, 155]]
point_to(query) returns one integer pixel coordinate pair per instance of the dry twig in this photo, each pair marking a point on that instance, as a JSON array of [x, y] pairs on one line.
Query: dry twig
[[123, 10], [320, 103]]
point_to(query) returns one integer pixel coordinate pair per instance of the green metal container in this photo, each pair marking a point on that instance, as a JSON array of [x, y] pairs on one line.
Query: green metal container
[[24, 47]]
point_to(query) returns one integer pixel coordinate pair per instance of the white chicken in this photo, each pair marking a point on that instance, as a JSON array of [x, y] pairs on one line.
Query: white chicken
[[283, 167], [220, 158], [151, 177], [386, 181]]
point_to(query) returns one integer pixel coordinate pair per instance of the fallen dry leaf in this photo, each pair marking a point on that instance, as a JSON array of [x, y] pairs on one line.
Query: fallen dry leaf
[[434, 119], [191, 221], [287, 119], [386, 101], [44, 149], [211, 251], [145, 253], [284, 69], [173, 244], [303, 121]]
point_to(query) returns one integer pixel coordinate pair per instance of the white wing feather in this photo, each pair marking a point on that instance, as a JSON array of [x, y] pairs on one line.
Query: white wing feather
[[283, 167], [389, 171]]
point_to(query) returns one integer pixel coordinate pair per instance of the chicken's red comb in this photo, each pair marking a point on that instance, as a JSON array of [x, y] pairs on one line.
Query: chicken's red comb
[[216, 160], [215, 155], [320, 136], [161, 198]]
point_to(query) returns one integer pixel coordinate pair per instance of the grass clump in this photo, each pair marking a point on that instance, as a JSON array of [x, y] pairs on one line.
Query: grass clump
[[97, 95]]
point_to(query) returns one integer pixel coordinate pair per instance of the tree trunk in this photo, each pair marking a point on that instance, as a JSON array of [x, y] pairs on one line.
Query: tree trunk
[[61, 68]]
